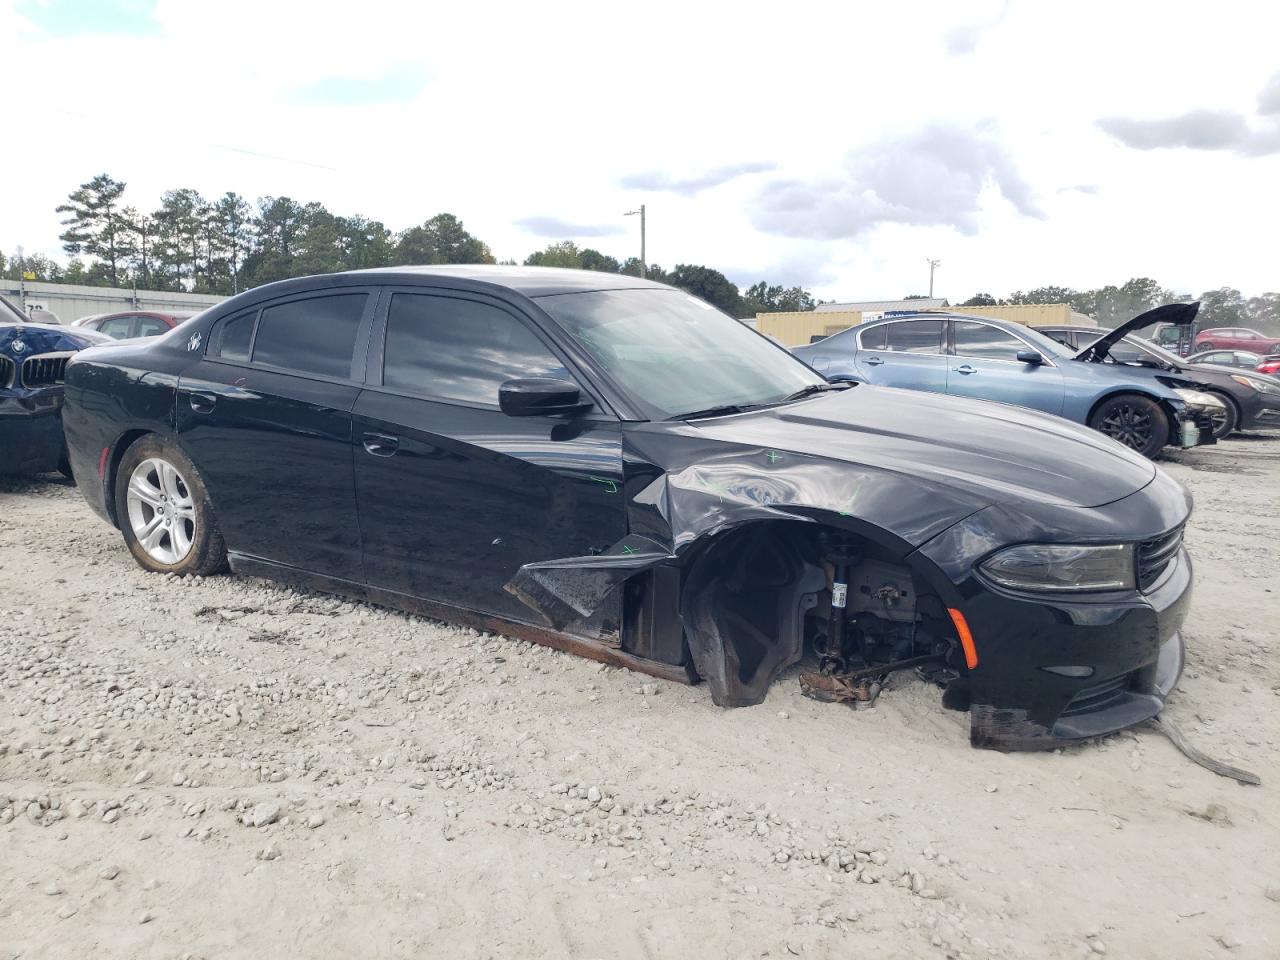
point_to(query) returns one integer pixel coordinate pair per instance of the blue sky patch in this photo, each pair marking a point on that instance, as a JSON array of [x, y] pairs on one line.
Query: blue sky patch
[[400, 84], [87, 18]]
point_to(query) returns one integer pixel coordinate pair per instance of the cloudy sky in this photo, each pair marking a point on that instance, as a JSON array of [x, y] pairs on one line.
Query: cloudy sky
[[834, 145]]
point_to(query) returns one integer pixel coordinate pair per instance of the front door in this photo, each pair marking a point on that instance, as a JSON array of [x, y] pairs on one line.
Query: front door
[[266, 418], [985, 366], [454, 495], [905, 353]]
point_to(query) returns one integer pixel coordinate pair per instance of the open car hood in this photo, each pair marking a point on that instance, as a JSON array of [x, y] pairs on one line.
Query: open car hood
[[1179, 314]]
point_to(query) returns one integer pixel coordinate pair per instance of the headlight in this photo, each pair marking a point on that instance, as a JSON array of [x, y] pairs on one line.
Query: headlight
[[1260, 385], [1199, 398], [1062, 568]]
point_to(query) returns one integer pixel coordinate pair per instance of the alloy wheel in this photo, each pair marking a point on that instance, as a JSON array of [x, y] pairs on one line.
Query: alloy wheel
[[1130, 425], [162, 512]]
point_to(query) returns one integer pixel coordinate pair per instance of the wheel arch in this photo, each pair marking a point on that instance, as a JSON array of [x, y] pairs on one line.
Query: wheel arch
[[743, 624], [1136, 391]]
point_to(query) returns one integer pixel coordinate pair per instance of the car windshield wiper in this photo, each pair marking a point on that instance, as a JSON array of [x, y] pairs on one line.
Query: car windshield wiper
[[720, 411], [813, 388]]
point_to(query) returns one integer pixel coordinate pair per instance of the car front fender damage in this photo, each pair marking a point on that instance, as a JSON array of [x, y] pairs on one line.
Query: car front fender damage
[[744, 541]]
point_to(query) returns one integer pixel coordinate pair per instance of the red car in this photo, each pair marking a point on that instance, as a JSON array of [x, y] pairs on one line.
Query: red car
[[1237, 338], [1270, 365], [135, 323]]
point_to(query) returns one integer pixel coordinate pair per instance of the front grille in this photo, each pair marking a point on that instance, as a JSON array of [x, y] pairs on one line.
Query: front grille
[[1098, 697], [44, 371], [1154, 557], [6, 373]]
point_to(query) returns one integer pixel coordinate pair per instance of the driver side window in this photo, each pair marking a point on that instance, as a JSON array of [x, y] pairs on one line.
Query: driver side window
[[459, 349]]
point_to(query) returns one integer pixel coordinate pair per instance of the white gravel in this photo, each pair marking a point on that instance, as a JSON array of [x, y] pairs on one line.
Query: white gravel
[[224, 768]]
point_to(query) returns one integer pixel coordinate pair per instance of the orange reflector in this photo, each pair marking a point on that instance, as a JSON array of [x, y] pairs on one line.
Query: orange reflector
[[102, 463], [966, 638]]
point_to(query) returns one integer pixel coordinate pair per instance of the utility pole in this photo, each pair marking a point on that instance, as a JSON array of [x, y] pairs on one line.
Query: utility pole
[[933, 265], [644, 270]]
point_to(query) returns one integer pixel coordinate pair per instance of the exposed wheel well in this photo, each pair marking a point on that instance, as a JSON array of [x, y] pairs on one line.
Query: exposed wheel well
[[747, 599]]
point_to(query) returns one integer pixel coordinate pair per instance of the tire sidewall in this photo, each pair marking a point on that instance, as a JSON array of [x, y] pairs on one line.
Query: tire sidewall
[[207, 552], [1160, 422]]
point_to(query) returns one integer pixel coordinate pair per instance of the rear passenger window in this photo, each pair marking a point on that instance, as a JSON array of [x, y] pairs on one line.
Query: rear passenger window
[[914, 336], [460, 349], [235, 335], [316, 335], [873, 339], [151, 327]]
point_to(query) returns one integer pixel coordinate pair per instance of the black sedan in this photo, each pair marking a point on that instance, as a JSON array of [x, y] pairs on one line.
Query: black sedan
[[1252, 399], [33, 357], [613, 467]]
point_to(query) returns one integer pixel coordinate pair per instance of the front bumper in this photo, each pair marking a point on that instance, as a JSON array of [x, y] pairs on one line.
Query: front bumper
[[1260, 410], [1057, 668], [30, 434], [1064, 670]]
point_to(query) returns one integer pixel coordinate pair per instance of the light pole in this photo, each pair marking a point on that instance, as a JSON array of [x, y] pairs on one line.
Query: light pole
[[933, 265], [631, 213]]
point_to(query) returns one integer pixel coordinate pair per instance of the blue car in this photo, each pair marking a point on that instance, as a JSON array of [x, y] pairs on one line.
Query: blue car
[[987, 359]]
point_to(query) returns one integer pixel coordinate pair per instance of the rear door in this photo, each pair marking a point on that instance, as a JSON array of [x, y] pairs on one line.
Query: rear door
[[454, 495], [985, 366], [905, 353], [266, 418]]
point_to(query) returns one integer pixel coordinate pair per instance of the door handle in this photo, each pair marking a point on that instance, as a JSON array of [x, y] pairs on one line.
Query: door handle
[[202, 402], [380, 444], [873, 361], [965, 369]]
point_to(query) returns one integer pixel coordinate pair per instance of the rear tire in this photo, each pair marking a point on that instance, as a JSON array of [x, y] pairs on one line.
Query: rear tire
[[164, 511], [1226, 426], [1134, 420]]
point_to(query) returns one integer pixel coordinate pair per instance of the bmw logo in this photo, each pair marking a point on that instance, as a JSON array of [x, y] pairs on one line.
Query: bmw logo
[[18, 346]]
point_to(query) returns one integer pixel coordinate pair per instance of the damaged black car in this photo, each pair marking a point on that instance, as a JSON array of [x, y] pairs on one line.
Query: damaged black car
[[33, 358], [614, 468]]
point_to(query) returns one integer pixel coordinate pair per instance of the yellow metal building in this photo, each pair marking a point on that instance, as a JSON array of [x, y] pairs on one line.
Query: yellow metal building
[[798, 328]]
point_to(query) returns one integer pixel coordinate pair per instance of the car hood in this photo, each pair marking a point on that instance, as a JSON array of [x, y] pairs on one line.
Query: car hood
[[993, 452], [1179, 314], [19, 340], [1208, 368]]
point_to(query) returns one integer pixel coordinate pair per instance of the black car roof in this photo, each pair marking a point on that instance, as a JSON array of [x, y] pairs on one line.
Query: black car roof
[[530, 281]]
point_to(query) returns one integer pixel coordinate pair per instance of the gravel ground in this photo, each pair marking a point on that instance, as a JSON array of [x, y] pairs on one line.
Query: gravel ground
[[223, 768]]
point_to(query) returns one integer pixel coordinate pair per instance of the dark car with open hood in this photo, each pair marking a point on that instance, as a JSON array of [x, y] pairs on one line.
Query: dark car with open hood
[[613, 467], [33, 359]]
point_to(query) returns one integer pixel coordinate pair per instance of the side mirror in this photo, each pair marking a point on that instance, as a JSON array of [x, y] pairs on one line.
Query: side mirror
[[1030, 356], [540, 397]]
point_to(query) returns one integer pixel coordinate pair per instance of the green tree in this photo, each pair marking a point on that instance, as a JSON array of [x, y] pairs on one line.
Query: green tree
[[180, 236], [1224, 307], [763, 298], [442, 239], [234, 220], [562, 254], [981, 300], [364, 244], [278, 228], [631, 267], [710, 285], [1263, 312], [142, 230], [595, 260], [1043, 295], [96, 223]]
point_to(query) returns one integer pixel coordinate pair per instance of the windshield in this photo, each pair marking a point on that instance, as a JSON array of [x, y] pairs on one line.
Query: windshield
[[1045, 343], [673, 354]]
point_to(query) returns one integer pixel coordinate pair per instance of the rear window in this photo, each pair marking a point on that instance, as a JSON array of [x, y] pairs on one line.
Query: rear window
[[235, 336], [914, 336], [316, 335]]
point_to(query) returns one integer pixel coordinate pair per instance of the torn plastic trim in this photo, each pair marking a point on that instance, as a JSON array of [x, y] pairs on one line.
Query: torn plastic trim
[[571, 588]]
